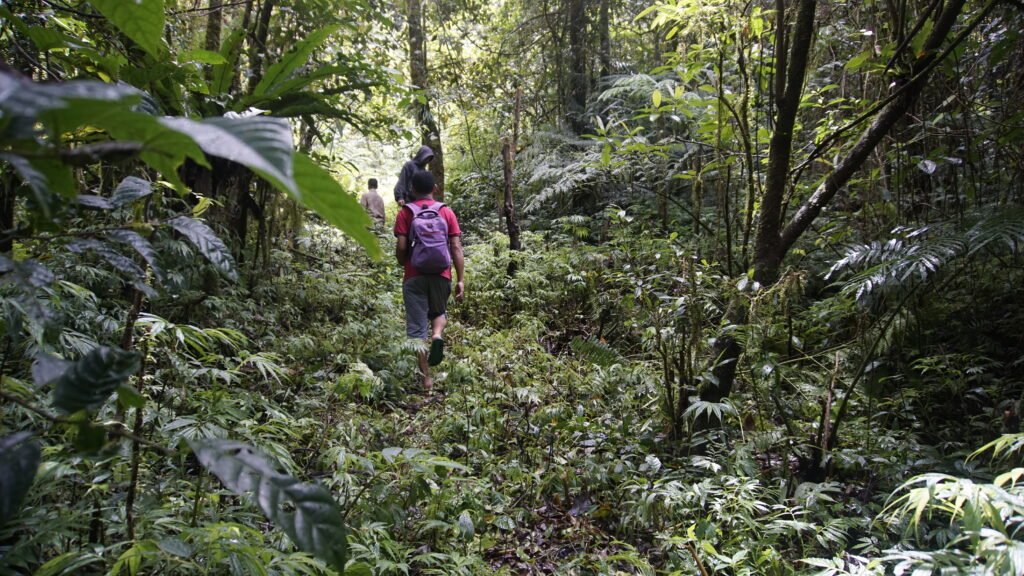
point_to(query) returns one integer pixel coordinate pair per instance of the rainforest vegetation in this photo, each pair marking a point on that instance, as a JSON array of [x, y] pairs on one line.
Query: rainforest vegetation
[[744, 286]]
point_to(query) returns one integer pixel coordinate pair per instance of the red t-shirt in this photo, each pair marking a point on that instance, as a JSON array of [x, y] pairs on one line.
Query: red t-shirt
[[404, 221]]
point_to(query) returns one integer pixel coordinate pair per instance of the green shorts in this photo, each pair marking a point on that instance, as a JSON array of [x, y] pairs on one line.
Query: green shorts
[[426, 298]]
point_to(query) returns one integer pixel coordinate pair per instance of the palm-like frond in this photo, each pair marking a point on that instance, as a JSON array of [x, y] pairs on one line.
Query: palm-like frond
[[916, 256]]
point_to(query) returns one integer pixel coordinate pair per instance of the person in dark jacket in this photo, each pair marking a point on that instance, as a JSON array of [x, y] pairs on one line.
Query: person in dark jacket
[[403, 190]]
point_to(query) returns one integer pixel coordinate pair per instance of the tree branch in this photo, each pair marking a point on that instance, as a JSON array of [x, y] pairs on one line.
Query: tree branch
[[885, 120]]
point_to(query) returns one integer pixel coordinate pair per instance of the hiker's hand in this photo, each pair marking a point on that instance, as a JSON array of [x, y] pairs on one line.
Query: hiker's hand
[[460, 290]]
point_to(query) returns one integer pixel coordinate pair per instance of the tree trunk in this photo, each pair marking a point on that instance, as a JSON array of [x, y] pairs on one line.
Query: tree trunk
[[214, 19], [577, 104], [508, 156], [880, 126], [773, 241], [790, 73], [7, 207], [258, 47], [431, 133], [604, 38]]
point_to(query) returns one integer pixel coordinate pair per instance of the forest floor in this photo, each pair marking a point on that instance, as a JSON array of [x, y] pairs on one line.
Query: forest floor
[[532, 454]]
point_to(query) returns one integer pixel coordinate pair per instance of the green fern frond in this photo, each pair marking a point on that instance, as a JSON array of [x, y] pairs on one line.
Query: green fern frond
[[595, 351]]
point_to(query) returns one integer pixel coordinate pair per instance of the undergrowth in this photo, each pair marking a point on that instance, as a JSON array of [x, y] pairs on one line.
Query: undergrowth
[[546, 447]]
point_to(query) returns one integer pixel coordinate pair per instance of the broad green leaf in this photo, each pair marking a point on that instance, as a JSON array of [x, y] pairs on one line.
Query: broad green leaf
[[22, 97], [20, 457], [305, 511], [140, 20], [297, 57], [116, 109], [164, 148], [176, 547], [858, 61], [69, 563], [260, 143], [322, 194], [656, 98], [47, 368], [89, 438], [297, 83], [307, 103], [359, 569], [118, 261], [47, 39], [89, 382], [129, 190], [917, 43], [210, 246], [140, 245], [504, 523], [27, 272], [129, 397], [200, 56], [45, 178], [93, 201], [223, 74]]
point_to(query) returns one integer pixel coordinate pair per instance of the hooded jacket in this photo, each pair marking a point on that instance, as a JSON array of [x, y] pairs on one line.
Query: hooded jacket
[[403, 190]]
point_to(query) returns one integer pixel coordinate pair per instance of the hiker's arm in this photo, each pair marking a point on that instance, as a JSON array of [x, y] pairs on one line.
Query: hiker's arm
[[455, 244], [402, 250], [401, 188]]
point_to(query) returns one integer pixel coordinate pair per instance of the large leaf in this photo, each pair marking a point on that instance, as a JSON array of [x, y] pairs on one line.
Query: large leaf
[[140, 20], [305, 511], [322, 194], [28, 277], [93, 201], [222, 75], [124, 113], [298, 82], [118, 261], [297, 57], [89, 382], [20, 457], [260, 143], [129, 190], [45, 178], [210, 246], [295, 104], [200, 56], [25, 273], [22, 97], [48, 368], [141, 245], [164, 148]]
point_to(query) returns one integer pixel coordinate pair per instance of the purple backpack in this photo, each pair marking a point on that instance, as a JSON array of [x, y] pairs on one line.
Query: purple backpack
[[429, 237]]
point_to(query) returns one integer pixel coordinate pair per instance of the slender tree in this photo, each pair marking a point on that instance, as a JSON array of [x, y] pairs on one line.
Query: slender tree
[[576, 22], [429, 129], [774, 240]]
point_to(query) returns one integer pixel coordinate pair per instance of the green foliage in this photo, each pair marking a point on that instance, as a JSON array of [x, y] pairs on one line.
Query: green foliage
[[210, 246], [306, 512], [20, 454], [87, 383], [579, 424], [322, 193], [274, 83], [142, 21]]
